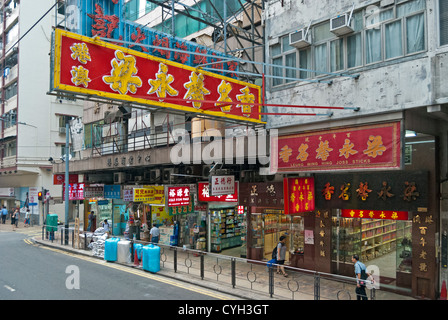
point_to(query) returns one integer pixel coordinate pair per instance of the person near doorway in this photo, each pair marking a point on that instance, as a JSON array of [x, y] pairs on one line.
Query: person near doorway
[[4, 213], [281, 256], [154, 234], [106, 226], [92, 220], [361, 277]]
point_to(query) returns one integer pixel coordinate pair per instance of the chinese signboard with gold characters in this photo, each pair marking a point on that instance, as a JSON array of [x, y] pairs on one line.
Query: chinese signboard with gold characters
[[299, 195], [365, 147], [93, 67]]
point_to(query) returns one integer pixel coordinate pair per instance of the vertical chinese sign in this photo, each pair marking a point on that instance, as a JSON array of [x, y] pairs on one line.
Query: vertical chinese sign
[[299, 195], [87, 66], [365, 147]]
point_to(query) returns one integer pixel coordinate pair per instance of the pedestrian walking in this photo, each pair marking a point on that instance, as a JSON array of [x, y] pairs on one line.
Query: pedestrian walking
[[281, 256], [4, 213], [361, 277], [27, 218], [154, 234], [16, 215]]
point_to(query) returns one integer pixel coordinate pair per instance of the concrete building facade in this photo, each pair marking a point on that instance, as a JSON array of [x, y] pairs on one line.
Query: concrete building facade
[[33, 123]]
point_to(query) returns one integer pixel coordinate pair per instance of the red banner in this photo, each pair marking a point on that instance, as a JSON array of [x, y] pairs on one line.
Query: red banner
[[299, 195], [75, 191], [375, 214], [373, 147], [204, 195], [178, 196], [93, 67], [60, 179]]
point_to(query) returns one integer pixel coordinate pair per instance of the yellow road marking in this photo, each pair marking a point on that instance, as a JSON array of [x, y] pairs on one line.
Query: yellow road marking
[[134, 271]]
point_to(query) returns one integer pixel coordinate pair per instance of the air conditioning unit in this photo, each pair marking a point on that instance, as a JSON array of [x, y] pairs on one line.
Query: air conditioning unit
[[154, 175], [206, 170], [193, 170], [166, 175], [138, 178], [119, 177], [340, 25], [62, 130], [300, 38]]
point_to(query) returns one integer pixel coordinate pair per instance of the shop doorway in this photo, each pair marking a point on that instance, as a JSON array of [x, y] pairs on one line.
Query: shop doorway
[[384, 246], [227, 230]]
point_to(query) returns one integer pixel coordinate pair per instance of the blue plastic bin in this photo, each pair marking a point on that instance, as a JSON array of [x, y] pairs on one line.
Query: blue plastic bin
[[151, 258], [110, 249]]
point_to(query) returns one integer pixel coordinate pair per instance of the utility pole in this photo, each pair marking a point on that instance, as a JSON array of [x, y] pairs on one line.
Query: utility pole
[[67, 157]]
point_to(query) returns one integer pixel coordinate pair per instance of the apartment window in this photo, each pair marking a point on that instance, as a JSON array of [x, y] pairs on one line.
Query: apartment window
[[131, 9], [443, 22], [283, 55], [9, 119], [378, 35], [11, 91], [12, 34], [69, 150], [11, 149]]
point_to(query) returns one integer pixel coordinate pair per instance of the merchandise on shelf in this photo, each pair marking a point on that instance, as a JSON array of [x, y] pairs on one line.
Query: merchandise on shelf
[[228, 228]]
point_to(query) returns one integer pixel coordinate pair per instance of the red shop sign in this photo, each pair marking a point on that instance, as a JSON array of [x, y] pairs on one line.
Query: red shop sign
[[60, 179], [178, 196], [299, 195], [365, 147], [204, 196], [75, 191], [375, 214]]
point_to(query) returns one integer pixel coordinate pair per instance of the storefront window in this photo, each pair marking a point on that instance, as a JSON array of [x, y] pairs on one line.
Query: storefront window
[[227, 228], [297, 235], [385, 244], [404, 246]]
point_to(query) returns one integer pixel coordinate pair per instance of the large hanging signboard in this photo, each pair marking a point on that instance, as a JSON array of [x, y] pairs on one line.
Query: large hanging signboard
[[92, 67], [365, 147], [400, 190]]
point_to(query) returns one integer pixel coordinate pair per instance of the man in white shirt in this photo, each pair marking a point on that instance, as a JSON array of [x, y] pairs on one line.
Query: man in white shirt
[[154, 233]]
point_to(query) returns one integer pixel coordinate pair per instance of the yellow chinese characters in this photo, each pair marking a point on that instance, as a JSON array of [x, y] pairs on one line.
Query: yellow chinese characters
[[195, 89], [245, 97], [303, 155], [285, 153], [162, 84], [323, 151], [123, 75], [347, 149], [375, 147], [224, 89], [80, 76], [80, 52]]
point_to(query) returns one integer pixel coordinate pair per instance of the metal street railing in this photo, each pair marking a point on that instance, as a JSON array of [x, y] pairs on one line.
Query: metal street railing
[[253, 275]]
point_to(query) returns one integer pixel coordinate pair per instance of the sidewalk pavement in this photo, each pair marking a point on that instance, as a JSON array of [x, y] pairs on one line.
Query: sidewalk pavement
[[35, 234]]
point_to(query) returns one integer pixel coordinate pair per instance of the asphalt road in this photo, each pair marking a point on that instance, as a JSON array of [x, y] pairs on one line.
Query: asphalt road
[[30, 272]]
